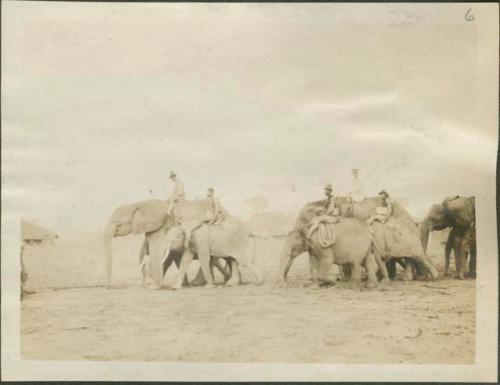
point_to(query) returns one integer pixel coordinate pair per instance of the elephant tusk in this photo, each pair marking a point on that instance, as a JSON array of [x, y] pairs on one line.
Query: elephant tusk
[[143, 263], [165, 255]]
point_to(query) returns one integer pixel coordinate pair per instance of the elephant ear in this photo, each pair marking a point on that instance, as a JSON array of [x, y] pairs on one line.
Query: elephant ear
[[149, 217], [460, 211], [451, 198]]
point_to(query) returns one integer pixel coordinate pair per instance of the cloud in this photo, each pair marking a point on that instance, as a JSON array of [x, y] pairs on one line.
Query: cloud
[[354, 105], [102, 109]]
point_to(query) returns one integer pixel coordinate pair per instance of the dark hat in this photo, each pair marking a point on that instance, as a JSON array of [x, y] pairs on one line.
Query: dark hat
[[328, 187], [383, 192], [211, 189]]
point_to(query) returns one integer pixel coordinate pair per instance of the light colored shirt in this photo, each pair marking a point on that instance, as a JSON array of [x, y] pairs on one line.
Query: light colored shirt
[[214, 209], [356, 192], [178, 193], [385, 209], [332, 206]]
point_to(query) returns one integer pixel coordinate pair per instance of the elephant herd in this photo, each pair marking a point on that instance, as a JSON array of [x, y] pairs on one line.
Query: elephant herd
[[361, 250]]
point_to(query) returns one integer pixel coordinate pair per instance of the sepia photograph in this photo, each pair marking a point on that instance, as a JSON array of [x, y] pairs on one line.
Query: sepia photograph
[[249, 191]]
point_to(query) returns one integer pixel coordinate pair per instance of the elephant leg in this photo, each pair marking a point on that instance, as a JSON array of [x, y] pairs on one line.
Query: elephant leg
[[459, 274], [447, 254], [459, 265], [472, 262], [234, 265], [420, 272], [381, 266], [221, 269], [409, 267], [229, 267], [187, 258], [156, 250], [205, 267], [203, 252], [311, 267], [235, 278], [325, 263], [216, 263], [355, 274], [199, 279], [177, 261], [314, 267], [466, 255], [391, 269], [346, 271], [371, 271]]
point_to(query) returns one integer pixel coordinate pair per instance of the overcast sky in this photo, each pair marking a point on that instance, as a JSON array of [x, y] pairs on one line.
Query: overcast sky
[[101, 101]]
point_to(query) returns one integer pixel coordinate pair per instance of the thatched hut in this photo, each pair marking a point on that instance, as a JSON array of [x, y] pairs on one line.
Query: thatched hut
[[32, 234]]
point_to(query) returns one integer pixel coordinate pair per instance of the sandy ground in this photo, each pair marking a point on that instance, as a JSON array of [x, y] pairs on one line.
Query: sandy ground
[[72, 317]]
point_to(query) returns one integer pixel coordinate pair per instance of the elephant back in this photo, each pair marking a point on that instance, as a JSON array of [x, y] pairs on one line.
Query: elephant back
[[193, 209], [460, 211]]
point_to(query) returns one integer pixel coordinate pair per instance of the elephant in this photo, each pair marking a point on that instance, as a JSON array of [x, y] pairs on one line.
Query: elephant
[[457, 213], [228, 240], [412, 250], [147, 217], [295, 246], [352, 248], [454, 242]]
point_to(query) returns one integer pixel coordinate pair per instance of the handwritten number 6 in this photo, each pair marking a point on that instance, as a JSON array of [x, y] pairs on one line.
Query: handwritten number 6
[[469, 16]]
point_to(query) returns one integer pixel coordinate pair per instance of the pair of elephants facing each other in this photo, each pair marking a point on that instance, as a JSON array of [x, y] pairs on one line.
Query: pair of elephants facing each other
[[459, 214], [228, 240], [356, 244]]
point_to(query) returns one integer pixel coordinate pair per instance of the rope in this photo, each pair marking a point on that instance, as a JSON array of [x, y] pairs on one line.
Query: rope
[[326, 235]]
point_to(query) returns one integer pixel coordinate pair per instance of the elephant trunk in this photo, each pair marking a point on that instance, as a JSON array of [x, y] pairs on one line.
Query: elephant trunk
[[109, 233], [425, 229], [285, 256], [157, 257]]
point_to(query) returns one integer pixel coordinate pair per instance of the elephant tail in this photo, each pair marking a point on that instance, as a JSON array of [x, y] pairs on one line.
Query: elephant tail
[[109, 233]]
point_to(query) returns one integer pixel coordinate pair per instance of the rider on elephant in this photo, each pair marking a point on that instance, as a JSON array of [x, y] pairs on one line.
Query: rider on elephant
[[213, 216], [330, 214], [383, 212], [214, 213], [177, 194]]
